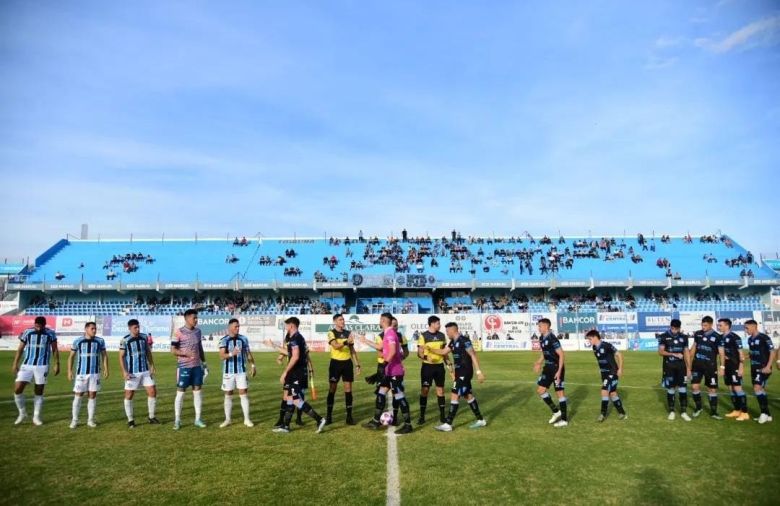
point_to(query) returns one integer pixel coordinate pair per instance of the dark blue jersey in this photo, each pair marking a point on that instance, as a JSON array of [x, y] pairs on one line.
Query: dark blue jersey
[[605, 356], [297, 341], [460, 347], [673, 343], [760, 350], [707, 345], [732, 344], [550, 346]]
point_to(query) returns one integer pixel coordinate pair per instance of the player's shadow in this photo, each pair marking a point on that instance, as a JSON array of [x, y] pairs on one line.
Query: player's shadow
[[580, 394], [655, 488], [661, 396], [497, 399]]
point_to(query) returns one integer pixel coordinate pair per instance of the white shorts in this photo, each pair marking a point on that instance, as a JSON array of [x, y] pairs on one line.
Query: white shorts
[[86, 383], [137, 380], [233, 381], [27, 373]]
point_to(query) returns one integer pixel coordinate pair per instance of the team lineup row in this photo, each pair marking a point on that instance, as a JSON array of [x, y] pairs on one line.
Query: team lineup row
[[709, 356]]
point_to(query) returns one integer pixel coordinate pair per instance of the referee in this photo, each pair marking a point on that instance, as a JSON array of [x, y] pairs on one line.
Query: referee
[[342, 351], [432, 370]]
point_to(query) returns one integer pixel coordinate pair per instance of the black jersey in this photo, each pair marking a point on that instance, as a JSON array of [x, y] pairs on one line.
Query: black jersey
[[760, 349], [550, 346], [460, 347], [297, 341], [605, 356], [673, 343], [732, 345], [707, 345]]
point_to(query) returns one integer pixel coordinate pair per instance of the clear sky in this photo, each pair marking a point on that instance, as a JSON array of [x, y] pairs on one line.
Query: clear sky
[[330, 117]]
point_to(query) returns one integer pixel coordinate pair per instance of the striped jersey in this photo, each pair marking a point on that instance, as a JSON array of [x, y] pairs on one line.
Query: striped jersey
[[135, 349], [90, 354], [188, 340], [237, 364], [38, 346]]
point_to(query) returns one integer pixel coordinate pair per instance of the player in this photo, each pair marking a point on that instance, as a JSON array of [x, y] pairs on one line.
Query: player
[[234, 352], [552, 373], [465, 359], [187, 346], [734, 370], [294, 377], [37, 344], [706, 350], [673, 347], [92, 358], [342, 351], [610, 362], [282, 349], [762, 354], [137, 365], [393, 375], [432, 370]]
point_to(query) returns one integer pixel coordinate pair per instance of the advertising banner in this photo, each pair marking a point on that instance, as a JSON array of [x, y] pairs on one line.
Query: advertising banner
[[617, 322], [738, 318], [620, 344], [535, 317], [771, 324], [576, 322], [691, 320], [7, 306], [15, 325], [654, 321], [506, 326], [524, 345], [643, 344], [69, 328]]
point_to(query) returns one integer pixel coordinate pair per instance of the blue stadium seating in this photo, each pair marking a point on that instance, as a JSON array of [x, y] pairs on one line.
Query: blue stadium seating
[[204, 260]]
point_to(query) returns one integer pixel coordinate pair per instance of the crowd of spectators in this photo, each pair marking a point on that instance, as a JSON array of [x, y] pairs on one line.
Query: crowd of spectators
[[544, 255], [238, 303], [129, 262]]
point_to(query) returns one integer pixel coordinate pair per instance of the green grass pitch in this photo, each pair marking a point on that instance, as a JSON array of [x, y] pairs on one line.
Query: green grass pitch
[[517, 459]]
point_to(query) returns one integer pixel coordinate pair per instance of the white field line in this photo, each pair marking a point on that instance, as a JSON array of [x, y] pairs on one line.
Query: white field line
[[393, 479]]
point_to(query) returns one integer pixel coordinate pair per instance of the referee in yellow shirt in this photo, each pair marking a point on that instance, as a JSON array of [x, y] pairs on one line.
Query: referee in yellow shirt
[[432, 372], [342, 350]]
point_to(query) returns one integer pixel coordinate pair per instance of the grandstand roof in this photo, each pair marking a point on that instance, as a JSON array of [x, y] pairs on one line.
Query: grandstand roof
[[203, 264]]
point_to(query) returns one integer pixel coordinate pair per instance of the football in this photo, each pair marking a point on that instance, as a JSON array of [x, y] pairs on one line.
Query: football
[[386, 418]]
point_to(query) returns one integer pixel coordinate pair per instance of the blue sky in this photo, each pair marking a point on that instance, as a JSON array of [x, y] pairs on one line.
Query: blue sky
[[330, 117]]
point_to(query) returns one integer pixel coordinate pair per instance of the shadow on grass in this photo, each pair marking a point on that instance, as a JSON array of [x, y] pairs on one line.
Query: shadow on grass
[[655, 488]]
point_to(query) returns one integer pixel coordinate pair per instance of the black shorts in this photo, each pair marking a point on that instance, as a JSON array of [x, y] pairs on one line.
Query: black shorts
[[462, 385], [609, 382], [704, 372], [547, 377], [431, 374], [341, 369], [295, 384], [674, 376], [732, 378], [759, 378], [394, 383]]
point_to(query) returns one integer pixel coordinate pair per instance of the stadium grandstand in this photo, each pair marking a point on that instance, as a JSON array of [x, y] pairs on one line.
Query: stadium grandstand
[[409, 275]]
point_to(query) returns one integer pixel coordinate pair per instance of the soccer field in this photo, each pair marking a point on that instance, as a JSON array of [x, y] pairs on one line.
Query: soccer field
[[517, 459]]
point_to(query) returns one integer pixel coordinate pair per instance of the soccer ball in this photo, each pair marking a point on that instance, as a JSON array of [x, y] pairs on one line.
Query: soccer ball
[[386, 418]]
